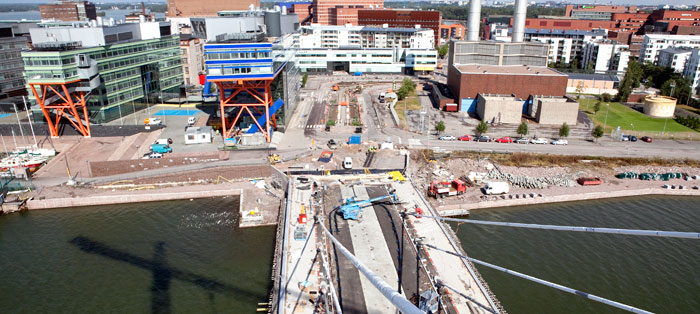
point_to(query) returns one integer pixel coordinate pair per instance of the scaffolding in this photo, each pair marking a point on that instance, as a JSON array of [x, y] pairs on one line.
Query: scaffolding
[[62, 99], [260, 96]]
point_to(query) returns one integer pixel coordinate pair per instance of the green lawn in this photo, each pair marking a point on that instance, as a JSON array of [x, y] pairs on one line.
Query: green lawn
[[625, 117], [411, 103]]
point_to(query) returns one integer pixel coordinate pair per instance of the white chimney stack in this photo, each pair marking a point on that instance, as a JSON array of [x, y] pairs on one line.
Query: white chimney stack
[[473, 20], [142, 19], [519, 16], [99, 21]]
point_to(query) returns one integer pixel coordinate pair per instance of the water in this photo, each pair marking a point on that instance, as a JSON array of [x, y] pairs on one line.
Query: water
[[35, 15], [177, 257], [661, 275]]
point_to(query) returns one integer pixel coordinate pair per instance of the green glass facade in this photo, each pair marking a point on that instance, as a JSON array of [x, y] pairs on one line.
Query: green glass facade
[[132, 74]]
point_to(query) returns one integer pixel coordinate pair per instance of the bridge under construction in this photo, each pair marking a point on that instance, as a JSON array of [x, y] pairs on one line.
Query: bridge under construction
[[395, 255]]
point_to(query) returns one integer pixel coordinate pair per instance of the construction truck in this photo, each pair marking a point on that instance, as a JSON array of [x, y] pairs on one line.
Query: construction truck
[[441, 189]]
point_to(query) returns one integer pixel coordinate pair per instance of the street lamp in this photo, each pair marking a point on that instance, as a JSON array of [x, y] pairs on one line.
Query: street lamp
[[605, 124]]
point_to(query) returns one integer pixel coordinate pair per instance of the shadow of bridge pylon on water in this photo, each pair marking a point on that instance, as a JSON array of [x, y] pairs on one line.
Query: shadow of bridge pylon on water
[[162, 273]]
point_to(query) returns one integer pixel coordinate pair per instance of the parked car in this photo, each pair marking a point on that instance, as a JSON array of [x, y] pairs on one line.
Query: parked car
[[560, 142], [483, 138], [646, 139], [447, 138], [191, 121], [504, 139], [624, 138], [539, 140], [155, 121], [332, 144], [465, 138], [522, 140], [633, 138]]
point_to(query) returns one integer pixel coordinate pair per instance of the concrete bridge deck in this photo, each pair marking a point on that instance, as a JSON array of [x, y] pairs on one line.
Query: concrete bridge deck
[[376, 240]]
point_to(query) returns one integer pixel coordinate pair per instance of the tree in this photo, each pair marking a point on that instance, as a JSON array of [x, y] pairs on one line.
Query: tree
[[482, 127], [522, 129], [304, 79], [597, 132], [564, 130], [408, 84], [440, 127], [443, 50], [605, 97], [579, 89], [402, 93], [633, 75], [596, 107]]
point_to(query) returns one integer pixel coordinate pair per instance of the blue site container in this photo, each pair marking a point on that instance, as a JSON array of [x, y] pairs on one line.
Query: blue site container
[[355, 139]]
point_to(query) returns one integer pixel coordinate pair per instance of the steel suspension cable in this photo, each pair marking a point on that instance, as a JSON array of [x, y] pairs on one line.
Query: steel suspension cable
[[324, 262], [636, 232], [488, 309], [390, 294], [547, 283]]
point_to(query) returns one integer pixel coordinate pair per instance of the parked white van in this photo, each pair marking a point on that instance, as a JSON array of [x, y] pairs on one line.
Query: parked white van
[[496, 188], [347, 163]]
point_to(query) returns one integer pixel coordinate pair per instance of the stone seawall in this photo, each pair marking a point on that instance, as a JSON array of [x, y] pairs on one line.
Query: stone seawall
[[127, 198], [464, 209]]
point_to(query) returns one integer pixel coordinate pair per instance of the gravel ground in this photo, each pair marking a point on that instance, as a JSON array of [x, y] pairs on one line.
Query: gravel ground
[[423, 172]]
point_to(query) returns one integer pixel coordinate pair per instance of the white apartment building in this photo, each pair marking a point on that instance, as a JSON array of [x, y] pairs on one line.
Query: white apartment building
[[600, 54], [564, 45], [359, 49], [620, 61], [673, 57], [692, 69], [330, 36], [653, 43], [559, 48]]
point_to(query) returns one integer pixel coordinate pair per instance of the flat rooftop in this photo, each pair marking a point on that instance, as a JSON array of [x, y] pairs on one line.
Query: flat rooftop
[[507, 70]]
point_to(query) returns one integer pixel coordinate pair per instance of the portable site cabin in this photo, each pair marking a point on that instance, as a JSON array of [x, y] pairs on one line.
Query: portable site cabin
[[198, 135]]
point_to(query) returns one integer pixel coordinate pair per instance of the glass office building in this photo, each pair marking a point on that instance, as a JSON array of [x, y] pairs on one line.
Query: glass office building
[[138, 64]]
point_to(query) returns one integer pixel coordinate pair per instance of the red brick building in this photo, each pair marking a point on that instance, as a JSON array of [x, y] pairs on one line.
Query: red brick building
[[326, 12], [466, 81], [402, 18], [675, 18], [68, 11], [570, 8], [567, 24], [190, 8], [301, 9], [452, 31]]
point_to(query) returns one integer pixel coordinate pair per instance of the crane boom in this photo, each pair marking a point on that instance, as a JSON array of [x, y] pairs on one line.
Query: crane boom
[[351, 208]]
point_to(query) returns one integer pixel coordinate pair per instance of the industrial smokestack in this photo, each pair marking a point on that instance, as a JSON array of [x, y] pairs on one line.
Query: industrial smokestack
[[473, 20], [519, 20]]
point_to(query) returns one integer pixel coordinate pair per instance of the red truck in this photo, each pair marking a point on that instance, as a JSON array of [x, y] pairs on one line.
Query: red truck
[[441, 189]]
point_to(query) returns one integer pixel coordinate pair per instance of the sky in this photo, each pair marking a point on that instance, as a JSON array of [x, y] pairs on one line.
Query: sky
[[642, 2]]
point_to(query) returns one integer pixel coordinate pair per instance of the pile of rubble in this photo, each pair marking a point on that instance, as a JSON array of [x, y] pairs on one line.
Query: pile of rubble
[[564, 180]]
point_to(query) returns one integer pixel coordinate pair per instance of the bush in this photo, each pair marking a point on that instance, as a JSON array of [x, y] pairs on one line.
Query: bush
[[596, 108], [356, 122], [523, 129], [605, 97], [304, 79], [330, 122], [482, 127], [691, 122], [598, 132], [564, 130], [440, 126]]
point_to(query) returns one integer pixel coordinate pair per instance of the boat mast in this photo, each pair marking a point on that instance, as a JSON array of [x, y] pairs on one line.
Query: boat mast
[[31, 126], [3, 144], [19, 124]]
